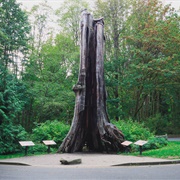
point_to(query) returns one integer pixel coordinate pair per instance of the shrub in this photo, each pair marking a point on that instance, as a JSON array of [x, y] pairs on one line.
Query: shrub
[[155, 143], [159, 124], [50, 130], [133, 130], [40, 148], [10, 137]]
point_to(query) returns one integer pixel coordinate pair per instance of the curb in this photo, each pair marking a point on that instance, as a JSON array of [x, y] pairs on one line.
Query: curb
[[124, 164], [149, 163], [14, 163]]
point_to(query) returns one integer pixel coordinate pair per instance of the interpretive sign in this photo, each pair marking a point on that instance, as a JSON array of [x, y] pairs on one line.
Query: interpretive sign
[[26, 144], [140, 143], [126, 143], [49, 143]]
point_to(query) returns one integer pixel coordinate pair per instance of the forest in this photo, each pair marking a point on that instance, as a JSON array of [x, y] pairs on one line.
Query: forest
[[39, 64]]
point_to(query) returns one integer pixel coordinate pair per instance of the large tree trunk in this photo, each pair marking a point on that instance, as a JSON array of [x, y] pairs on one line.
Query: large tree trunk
[[90, 125]]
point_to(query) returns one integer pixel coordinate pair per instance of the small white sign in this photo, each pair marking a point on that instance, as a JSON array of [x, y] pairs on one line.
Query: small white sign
[[126, 143], [26, 143], [140, 142], [49, 142]]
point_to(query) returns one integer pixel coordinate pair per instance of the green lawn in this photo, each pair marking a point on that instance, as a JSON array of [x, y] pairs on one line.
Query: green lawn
[[171, 151], [11, 156], [22, 154]]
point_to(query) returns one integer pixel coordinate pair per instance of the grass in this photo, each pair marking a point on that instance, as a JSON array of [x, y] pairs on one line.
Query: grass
[[21, 154], [171, 151], [8, 156]]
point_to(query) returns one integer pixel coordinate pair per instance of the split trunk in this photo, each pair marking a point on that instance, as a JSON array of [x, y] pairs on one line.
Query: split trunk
[[90, 125]]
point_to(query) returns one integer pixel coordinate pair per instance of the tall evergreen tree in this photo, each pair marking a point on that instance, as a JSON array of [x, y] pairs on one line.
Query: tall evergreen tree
[[14, 35], [14, 29]]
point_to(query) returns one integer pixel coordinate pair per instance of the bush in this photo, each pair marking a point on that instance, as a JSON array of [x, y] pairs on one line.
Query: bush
[[159, 124], [40, 148], [155, 143], [133, 130], [50, 130], [10, 137]]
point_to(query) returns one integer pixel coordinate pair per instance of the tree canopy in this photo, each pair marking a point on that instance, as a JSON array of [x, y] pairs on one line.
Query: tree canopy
[[14, 31]]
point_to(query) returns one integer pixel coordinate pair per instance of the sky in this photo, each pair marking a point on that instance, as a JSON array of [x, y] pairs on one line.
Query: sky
[[28, 4]]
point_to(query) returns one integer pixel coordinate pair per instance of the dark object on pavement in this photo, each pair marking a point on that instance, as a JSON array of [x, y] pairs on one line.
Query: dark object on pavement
[[72, 162]]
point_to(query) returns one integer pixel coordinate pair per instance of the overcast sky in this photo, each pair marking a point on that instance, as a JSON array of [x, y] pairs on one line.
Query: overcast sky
[[29, 3], [56, 3]]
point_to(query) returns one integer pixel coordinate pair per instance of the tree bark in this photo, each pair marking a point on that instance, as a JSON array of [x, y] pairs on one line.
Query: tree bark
[[90, 125]]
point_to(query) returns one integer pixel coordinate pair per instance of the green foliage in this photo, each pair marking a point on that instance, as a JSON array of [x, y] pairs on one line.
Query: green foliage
[[51, 73], [159, 124], [12, 101], [133, 130], [154, 67], [51, 87], [10, 137], [68, 17], [142, 60], [37, 149], [14, 36], [14, 33], [8, 156], [50, 130], [141, 64], [115, 13], [171, 151], [155, 143], [12, 96]]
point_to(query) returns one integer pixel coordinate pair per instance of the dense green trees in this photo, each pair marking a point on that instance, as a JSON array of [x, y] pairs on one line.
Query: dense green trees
[[14, 35], [155, 30], [53, 67], [147, 64], [142, 69], [14, 29], [115, 13], [69, 17], [12, 102], [154, 40]]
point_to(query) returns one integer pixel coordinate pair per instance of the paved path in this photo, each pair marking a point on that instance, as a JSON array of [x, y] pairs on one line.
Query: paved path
[[88, 160]]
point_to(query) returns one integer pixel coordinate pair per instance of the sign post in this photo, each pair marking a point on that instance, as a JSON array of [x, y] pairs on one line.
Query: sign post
[[140, 143], [126, 144], [26, 144], [49, 143]]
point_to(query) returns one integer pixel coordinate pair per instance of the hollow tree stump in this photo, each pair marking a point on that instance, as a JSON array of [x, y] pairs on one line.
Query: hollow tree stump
[[90, 124]]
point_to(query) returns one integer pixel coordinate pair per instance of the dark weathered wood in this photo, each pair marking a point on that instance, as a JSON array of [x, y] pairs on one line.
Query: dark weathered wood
[[72, 162], [91, 125]]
